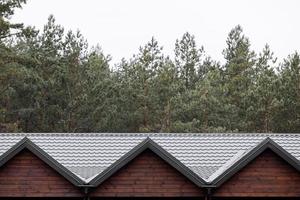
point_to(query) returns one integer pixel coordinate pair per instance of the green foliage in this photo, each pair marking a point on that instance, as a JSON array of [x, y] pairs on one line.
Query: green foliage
[[187, 59], [263, 94], [238, 73], [288, 119], [51, 81], [7, 8]]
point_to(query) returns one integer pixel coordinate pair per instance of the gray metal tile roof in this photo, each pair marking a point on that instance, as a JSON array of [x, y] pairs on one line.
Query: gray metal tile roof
[[208, 154]]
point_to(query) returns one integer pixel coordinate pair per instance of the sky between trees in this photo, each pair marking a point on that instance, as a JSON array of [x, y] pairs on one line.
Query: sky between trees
[[120, 27]]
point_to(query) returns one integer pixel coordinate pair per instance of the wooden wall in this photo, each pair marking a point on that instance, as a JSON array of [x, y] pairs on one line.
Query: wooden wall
[[266, 176], [26, 175], [148, 175]]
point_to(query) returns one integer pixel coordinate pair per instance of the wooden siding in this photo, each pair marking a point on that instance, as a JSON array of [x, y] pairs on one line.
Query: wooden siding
[[26, 175], [149, 176], [266, 176]]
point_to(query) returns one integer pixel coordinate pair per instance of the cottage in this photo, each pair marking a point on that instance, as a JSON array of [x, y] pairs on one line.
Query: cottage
[[151, 166]]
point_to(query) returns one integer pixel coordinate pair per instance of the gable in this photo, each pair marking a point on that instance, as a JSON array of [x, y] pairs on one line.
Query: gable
[[267, 175], [147, 175], [25, 175]]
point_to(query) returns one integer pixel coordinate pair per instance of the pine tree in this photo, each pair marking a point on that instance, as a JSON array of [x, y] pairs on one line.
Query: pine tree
[[167, 86], [238, 72], [142, 71], [288, 119], [7, 9], [187, 59], [263, 94]]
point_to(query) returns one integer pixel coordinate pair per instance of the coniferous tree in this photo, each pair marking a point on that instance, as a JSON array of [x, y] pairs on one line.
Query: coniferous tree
[[187, 59], [144, 68], [167, 86], [288, 119], [263, 94], [7, 9], [238, 71], [50, 81]]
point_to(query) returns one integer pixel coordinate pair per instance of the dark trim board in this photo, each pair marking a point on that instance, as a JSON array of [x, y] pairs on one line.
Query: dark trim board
[[26, 143], [255, 198], [41, 198], [147, 198], [102, 198], [150, 198]]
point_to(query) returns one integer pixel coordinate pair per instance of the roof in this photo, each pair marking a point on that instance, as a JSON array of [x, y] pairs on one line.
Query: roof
[[89, 156]]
